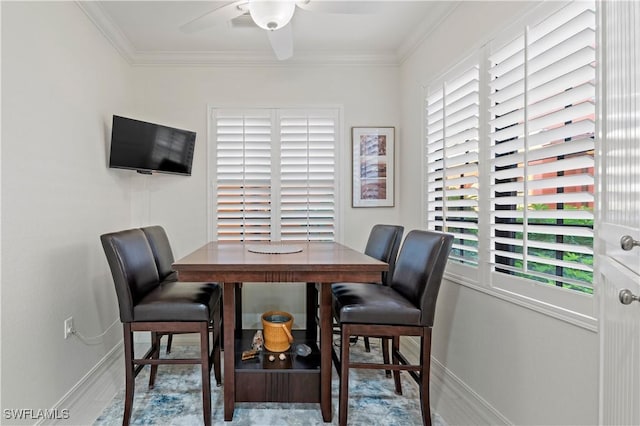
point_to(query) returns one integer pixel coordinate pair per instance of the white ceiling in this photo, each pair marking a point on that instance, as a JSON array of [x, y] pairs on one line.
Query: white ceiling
[[148, 32]]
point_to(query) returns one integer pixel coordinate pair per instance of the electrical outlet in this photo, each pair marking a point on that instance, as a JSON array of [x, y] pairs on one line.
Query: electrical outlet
[[68, 327]]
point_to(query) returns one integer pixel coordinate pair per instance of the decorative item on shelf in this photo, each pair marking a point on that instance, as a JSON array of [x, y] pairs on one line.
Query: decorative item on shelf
[[277, 330], [258, 341], [279, 361], [250, 354], [281, 357], [373, 163], [303, 350]]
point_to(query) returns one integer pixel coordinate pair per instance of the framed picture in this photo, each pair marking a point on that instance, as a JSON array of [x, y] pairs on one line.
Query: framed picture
[[373, 160]]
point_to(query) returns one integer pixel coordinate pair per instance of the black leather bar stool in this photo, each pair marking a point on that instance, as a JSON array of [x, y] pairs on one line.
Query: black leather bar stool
[[163, 255], [162, 307], [383, 244], [404, 308]]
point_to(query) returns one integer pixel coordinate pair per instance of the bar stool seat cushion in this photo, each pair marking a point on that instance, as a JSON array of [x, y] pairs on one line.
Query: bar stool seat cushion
[[178, 301], [372, 304]]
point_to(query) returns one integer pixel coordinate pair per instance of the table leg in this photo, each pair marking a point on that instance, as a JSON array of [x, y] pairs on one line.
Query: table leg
[[229, 320], [238, 302], [312, 312], [325, 351]]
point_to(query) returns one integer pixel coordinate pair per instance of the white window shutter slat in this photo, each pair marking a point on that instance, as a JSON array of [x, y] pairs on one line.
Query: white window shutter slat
[[243, 175], [275, 174], [307, 167], [543, 152], [451, 149]]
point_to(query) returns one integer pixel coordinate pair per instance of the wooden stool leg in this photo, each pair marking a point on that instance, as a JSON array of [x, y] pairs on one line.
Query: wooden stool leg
[[169, 342], [217, 342], [367, 345], [395, 348], [425, 362], [155, 354], [385, 355], [129, 374], [206, 377], [343, 404]]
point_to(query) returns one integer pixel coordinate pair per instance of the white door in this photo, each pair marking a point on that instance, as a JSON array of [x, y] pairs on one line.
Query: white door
[[618, 270]]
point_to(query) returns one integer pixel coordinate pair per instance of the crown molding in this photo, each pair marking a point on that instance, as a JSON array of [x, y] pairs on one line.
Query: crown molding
[[135, 57], [109, 29], [254, 58], [441, 10]]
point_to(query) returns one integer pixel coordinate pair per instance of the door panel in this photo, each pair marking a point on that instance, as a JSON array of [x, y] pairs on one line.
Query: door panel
[[620, 347], [619, 213]]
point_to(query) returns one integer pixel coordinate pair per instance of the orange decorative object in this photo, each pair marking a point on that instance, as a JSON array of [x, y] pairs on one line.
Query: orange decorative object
[[277, 330]]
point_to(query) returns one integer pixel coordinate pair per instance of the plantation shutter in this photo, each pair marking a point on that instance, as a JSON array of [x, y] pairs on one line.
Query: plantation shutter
[[307, 175], [542, 150], [452, 111], [243, 175], [275, 174]]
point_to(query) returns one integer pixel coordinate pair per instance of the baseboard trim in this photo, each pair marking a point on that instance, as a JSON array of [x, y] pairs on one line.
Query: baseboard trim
[[93, 393], [452, 398]]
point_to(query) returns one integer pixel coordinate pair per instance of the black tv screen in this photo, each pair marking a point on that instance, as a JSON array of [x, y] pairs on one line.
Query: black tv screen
[[148, 147]]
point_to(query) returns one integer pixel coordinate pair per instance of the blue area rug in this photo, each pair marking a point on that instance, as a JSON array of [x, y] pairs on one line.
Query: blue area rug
[[177, 399]]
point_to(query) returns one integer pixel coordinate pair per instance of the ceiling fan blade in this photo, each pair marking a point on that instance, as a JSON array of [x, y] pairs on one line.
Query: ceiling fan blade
[[282, 42], [345, 7], [216, 17]]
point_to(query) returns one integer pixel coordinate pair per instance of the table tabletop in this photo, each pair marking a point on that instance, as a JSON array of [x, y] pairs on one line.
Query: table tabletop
[[315, 263]]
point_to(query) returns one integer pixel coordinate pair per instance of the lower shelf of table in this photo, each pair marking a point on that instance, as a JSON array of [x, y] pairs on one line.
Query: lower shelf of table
[[294, 379]]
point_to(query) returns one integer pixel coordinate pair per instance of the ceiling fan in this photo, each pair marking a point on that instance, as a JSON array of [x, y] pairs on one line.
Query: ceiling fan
[[274, 16]]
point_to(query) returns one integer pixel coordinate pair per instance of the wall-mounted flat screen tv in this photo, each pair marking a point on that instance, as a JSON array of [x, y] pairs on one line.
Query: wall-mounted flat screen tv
[[148, 147]]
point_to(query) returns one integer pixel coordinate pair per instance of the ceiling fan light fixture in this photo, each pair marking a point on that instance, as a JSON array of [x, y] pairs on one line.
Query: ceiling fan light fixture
[[271, 14]]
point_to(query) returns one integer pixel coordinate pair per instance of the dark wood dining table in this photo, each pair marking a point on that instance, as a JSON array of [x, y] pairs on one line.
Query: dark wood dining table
[[319, 264]]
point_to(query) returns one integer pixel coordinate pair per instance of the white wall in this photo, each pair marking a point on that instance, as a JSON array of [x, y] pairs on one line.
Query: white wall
[[179, 96], [61, 81], [528, 367]]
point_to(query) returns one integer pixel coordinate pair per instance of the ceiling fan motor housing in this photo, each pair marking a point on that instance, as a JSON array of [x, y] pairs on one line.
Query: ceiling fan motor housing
[[270, 14]]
